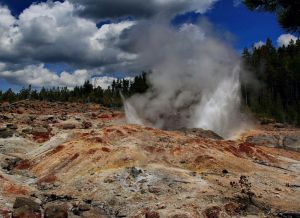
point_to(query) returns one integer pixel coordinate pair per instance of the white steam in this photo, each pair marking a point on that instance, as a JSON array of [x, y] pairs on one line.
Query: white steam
[[195, 79]]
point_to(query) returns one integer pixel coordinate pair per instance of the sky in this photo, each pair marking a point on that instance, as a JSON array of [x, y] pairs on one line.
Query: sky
[[64, 43]]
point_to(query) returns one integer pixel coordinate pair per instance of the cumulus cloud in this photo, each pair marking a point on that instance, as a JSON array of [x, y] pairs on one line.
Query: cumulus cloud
[[51, 32], [285, 39], [103, 9], [38, 76], [62, 32], [259, 44]]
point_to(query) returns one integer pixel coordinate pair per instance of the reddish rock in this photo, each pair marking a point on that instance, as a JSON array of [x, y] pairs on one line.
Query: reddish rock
[[105, 149], [152, 214], [87, 125], [51, 178], [246, 148], [23, 165], [212, 212], [26, 208]]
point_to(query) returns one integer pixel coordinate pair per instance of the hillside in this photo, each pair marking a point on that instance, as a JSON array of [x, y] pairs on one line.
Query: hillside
[[83, 160]]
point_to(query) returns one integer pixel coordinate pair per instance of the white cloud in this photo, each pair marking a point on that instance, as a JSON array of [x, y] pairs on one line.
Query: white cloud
[[259, 44], [38, 76], [61, 32], [285, 39], [6, 18], [52, 32]]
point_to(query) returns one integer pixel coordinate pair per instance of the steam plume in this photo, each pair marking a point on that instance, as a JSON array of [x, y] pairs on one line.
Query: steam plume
[[195, 78]]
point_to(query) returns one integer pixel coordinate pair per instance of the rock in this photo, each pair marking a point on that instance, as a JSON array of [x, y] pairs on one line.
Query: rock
[[266, 140], [11, 126], [39, 130], [86, 125], [63, 117], [40, 134], [68, 126], [134, 172], [84, 207], [202, 133], [49, 118], [27, 130], [232, 208], [151, 214], [26, 208], [212, 212], [20, 110], [292, 142], [6, 133], [53, 197], [225, 171], [26, 212], [10, 164], [26, 202], [154, 190], [55, 211]]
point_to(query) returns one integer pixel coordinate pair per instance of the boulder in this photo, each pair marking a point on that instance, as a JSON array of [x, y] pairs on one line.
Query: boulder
[[56, 211], [68, 126], [22, 201], [25, 212], [26, 208], [86, 125], [20, 110], [6, 133]]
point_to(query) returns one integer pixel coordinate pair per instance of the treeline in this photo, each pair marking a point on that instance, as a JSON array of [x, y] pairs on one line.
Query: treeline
[[276, 94], [273, 91], [109, 97]]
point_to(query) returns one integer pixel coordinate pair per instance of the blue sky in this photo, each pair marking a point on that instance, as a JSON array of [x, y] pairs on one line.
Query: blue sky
[[247, 27]]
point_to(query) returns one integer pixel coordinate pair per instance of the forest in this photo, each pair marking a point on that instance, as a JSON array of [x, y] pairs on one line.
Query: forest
[[274, 90], [86, 93], [271, 87]]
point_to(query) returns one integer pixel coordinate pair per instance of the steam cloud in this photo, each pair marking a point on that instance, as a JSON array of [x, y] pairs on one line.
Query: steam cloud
[[195, 79]]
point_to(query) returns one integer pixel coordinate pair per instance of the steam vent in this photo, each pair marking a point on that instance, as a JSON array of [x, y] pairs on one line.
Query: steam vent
[[149, 109]]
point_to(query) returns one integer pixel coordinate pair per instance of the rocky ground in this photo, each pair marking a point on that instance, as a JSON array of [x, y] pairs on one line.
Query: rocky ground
[[83, 160]]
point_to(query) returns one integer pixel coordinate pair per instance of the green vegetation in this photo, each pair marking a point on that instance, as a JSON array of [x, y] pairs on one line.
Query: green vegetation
[[288, 11], [109, 97], [271, 89], [276, 93]]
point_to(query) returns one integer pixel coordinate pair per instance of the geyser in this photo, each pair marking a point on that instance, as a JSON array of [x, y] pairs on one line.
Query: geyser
[[194, 83]]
